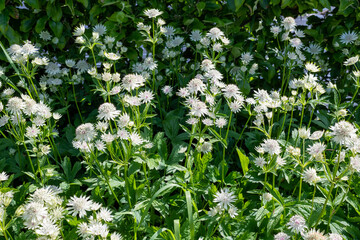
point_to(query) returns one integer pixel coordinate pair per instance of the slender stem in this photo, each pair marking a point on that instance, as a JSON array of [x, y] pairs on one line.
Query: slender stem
[[77, 106]]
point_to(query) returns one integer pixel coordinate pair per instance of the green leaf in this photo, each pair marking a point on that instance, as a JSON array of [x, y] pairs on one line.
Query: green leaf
[[119, 17], [285, 3], [2, 5], [70, 4], [325, 4], [275, 193], [84, 2], [244, 161], [26, 24], [190, 214], [56, 27], [54, 12], [223, 141], [40, 24], [200, 7]]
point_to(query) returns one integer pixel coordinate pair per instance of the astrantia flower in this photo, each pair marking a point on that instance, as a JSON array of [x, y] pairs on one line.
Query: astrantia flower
[[232, 211], [192, 121], [82, 66], [136, 139], [132, 81], [100, 29], [183, 92], [152, 13], [231, 91], [316, 150], [96, 228], [304, 133], [297, 224], [314, 235], [196, 85], [275, 30], [246, 58], [351, 61], [112, 56], [335, 236], [29, 49], [355, 163], [34, 214], [80, 30], [32, 132], [310, 176], [206, 147], [316, 135], [45, 35], [104, 214], [271, 146], [15, 105], [281, 236], [296, 43], [195, 35], [260, 162], [342, 132], [146, 96], [289, 23], [235, 106], [314, 49], [85, 132], [311, 67], [220, 122], [198, 109], [215, 34], [224, 198], [207, 65], [79, 205], [48, 228], [107, 111], [348, 37], [3, 176], [167, 90]]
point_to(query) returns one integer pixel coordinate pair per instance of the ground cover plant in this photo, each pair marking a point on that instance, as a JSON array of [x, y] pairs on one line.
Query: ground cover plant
[[203, 129]]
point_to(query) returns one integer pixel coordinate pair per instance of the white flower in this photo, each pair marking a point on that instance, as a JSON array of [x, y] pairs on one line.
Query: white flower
[[316, 150], [231, 91], [215, 34], [79, 205], [198, 109], [136, 139], [132, 81], [32, 132], [107, 111], [104, 214], [232, 211], [310, 176], [15, 105], [297, 224], [100, 29], [314, 234], [3, 176], [196, 85], [348, 37], [314, 49], [316, 135], [281, 236], [343, 132], [296, 43], [98, 229], [195, 35], [246, 58], [167, 90], [224, 198], [146, 96], [304, 133], [206, 147], [260, 162], [271, 146], [220, 122], [45, 35], [351, 61], [311, 67], [275, 30], [235, 106], [85, 132], [112, 56], [355, 163], [80, 30], [289, 23], [335, 236], [152, 13], [48, 228]]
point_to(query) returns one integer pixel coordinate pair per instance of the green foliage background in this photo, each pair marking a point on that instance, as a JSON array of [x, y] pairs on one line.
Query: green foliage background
[[237, 18]]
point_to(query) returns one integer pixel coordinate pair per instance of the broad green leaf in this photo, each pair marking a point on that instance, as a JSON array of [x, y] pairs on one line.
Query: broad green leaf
[[244, 161]]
